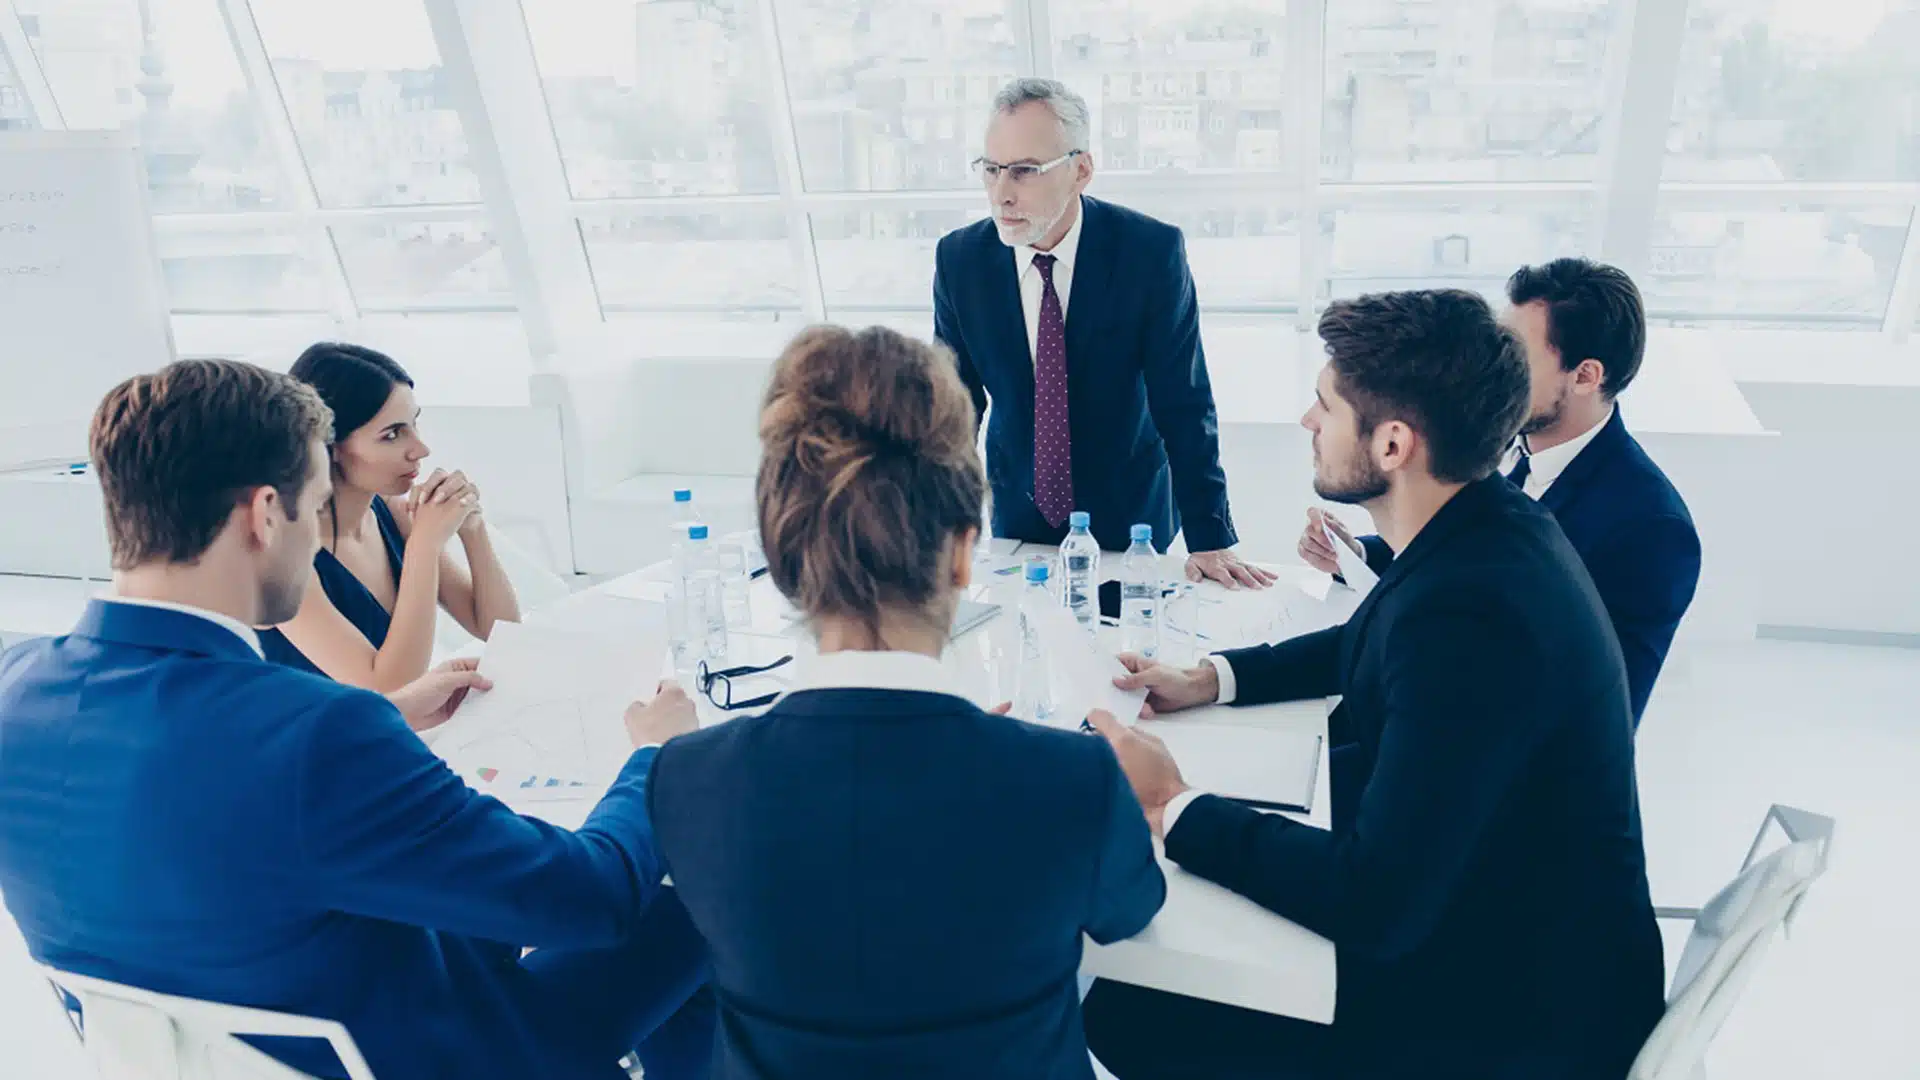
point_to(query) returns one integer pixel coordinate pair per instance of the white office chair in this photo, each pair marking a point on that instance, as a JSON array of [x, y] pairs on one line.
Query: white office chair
[[133, 1034], [1729, 936]]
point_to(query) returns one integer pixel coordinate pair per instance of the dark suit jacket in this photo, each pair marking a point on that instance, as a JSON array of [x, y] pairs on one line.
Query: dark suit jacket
[[178, 814], [896, 884], [1632, 530], [1146, 441], [1488, 897]]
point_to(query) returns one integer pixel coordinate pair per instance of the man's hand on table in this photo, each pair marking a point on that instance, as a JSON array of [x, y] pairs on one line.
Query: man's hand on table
[[1169, 689], [1149, 767], [1227, 568], [430, 700]]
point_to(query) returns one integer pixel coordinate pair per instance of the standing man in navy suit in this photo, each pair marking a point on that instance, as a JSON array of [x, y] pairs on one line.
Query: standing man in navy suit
[[1585, 333], [178, 814], [1077, 320]]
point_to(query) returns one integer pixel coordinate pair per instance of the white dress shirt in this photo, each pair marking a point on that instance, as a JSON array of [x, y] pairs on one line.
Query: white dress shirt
[[241, 630], [1033, 286], [1548, 464], [855, 670]]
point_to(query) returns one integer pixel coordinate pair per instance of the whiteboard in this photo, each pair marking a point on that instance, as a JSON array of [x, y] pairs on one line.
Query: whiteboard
[[82, 302]]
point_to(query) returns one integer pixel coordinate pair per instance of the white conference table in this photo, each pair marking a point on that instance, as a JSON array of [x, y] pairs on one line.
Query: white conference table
[[1206, 942]]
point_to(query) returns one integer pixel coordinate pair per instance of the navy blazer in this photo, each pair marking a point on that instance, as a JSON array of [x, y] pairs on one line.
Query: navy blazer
[[896, 884], [1633, 532], [1488, 896], [1146, 441], [180, 815]]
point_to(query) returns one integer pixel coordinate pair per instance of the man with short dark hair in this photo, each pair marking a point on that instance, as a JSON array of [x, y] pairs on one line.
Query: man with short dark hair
[[1487, 898], [180, 815], [1585, 334]]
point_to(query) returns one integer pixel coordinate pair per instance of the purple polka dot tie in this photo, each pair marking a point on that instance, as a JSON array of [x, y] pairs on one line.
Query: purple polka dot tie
[[1052, 444]]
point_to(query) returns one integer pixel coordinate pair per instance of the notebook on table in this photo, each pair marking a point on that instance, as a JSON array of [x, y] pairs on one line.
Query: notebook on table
[[1270, 770]]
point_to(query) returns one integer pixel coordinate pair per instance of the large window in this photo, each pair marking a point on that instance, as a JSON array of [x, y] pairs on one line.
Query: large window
[[1490, 90], [166, 70], [1806, 264], [698, 163], [892, 95], [667, 97], [1187, 85], [1773, 90], [370, 101]]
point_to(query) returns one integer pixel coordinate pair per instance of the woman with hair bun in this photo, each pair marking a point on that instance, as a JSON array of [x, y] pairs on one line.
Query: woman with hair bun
[[892, 881]]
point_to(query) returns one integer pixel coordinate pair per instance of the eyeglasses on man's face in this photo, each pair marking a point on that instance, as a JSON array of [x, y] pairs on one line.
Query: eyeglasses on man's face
[[718, 685], [1021, 171]]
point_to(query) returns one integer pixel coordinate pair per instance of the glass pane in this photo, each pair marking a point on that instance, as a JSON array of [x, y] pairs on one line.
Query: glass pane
[[1810, 265], [893, 94], [1193, 85], [1796, 90], [15, 113], [881, 261], [736, 261], [1245, 253], [1467, 247], [370, 102], [661, 98], [166, 69], [424, 266], [1496, 90], [250, 271]]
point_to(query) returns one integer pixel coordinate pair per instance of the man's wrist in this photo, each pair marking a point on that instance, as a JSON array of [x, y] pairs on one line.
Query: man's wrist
[[1206, 679]]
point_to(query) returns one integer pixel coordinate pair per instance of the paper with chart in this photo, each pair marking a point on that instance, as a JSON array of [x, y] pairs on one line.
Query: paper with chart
[[1081, 672], [557, 706]]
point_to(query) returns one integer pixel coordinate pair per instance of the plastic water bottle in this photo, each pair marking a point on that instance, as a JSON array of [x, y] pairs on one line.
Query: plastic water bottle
[[1140, 595], [684, 512], [1033, 698], [1080, 571], [695, 605], [706, 595]]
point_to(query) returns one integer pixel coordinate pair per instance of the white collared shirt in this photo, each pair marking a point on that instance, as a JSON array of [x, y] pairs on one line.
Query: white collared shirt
[[1033, 286], [1548, 464], [853, 670], [241, 630]]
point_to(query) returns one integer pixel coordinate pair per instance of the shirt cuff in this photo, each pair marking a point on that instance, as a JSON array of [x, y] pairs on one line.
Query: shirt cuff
[[1175, 807], [1229, 687]]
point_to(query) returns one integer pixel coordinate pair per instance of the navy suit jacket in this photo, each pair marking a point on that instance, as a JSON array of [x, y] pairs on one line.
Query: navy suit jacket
[[896, 884], [1146, 441], [178, 814], [1488, 896], [1632, 531]]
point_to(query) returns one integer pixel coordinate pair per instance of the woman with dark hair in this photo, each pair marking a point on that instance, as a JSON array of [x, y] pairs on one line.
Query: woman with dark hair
[[892, 881], [383, 567]]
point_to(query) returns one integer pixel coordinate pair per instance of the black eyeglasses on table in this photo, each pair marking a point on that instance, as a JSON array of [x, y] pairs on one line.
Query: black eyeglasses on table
[[718, 685]]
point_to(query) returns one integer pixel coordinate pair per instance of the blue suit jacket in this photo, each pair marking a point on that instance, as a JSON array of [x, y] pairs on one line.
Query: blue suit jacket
[[1146, 441], [180, 815], [895, 884], [1632, 530]]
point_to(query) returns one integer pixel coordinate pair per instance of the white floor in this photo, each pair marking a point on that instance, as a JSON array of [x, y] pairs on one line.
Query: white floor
[[1731, 730]]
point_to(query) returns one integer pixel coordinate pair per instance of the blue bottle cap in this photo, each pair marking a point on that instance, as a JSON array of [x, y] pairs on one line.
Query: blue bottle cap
[[681, 495], [1080, 519], [1143, 532], [1037, 572], [696, 532]]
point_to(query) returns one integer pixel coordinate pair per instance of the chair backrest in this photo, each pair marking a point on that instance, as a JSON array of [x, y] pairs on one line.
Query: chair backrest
[[1729, 937], [134, 1034]]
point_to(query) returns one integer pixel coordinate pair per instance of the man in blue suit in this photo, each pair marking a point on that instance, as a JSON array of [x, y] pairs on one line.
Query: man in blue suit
[[178, 814], [1585, 333], [1077, 320]]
